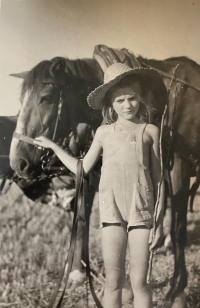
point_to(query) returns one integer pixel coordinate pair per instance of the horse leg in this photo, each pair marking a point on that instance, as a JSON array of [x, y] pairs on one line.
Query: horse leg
[[180, 181]]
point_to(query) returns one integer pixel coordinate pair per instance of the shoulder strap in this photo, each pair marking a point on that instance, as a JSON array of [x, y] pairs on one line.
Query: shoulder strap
[[23, 138]]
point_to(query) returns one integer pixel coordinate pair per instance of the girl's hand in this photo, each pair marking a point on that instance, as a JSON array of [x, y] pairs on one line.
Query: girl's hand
[[43, 142], [157, 240]]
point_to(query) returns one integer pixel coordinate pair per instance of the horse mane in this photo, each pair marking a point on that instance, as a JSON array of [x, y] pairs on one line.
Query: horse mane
[[35, 77], [42, 71], [183, 59], [84, 70]]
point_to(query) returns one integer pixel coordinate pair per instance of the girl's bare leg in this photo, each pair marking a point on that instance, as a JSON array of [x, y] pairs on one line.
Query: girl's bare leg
[[114, 242], [139, 255]]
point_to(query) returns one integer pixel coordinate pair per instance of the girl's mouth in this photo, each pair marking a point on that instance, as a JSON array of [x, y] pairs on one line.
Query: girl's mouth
[[128, 112]]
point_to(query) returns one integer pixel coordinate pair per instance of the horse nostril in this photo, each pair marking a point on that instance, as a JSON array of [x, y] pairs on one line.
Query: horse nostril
[[23, 164]]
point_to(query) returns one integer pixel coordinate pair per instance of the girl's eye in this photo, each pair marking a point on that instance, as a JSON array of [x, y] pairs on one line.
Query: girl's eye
[[119, 100]]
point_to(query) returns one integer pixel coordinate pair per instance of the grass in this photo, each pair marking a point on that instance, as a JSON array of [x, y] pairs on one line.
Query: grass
[[34, 241]]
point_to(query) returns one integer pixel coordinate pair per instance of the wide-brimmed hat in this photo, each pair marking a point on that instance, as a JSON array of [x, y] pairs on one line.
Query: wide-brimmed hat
[[149, 78]]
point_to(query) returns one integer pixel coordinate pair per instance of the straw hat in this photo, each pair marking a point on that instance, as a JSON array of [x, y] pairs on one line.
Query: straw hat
[[149, 78]]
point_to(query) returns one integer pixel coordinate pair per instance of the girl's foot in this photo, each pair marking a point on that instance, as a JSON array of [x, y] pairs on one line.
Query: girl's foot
[[127, 293]]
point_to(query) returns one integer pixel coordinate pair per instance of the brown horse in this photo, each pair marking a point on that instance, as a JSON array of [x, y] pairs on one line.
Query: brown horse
[[184, 124], [41, 92], [44, 88]]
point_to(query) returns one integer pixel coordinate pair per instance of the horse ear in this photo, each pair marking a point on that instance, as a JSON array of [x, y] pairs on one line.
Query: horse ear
[[22, 75], [57, 67]]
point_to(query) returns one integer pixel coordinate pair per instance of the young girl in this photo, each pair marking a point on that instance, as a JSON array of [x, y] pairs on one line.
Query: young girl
[[129, 178]]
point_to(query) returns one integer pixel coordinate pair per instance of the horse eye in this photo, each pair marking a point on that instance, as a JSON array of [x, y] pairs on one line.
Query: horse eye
[[46, 99]]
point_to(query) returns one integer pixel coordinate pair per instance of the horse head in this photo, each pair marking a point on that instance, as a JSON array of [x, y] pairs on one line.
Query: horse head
[[52, 99]]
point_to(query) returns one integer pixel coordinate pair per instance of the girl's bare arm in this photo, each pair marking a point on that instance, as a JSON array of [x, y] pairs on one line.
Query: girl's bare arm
[[69, 161], [155, 168], [156, 172]]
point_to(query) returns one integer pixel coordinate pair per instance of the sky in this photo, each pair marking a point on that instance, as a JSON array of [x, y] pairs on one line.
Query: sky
[[35, 30]]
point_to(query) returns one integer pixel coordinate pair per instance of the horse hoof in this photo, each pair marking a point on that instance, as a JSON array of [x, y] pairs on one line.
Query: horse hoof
[[76, 279], [180, 301]]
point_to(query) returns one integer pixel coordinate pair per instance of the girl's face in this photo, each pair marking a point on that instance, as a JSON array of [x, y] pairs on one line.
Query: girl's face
[[125, 102]]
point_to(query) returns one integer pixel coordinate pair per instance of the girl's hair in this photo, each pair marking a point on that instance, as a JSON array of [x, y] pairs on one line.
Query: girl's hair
[[145, 97]]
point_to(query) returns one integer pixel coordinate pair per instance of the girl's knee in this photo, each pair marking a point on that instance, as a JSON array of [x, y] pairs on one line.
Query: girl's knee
[[115, 281], [139, 285]]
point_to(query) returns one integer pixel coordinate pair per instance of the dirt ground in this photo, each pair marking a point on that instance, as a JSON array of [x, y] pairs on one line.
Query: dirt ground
[[34, 240]]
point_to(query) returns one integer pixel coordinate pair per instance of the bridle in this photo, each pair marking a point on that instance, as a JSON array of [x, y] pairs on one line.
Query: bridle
[[48, 160]]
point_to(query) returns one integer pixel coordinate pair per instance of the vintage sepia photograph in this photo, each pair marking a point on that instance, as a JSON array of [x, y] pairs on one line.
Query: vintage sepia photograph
[[99, 154]]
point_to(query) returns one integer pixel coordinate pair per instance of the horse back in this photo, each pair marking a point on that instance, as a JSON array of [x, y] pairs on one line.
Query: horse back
[[184, 102]]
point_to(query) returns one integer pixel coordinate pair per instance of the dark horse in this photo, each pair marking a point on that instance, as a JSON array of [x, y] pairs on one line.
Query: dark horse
[[184, 125], [49, 83], [41, 92]]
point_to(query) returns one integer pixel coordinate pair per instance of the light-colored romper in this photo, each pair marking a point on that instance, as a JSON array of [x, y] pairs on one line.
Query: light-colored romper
[[125, 190]]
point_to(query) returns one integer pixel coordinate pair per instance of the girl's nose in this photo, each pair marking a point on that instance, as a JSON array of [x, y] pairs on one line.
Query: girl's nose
[[127, 103]]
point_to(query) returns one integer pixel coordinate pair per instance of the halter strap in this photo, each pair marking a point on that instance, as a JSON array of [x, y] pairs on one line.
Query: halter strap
[[29, 139], [54, 81], [58, 115], [23, 138]]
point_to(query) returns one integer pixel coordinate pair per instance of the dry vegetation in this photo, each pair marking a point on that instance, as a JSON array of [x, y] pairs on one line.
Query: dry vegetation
[[34, 240]]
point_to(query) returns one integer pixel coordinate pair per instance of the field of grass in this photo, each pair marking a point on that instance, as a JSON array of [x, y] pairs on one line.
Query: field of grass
[[34, 241]]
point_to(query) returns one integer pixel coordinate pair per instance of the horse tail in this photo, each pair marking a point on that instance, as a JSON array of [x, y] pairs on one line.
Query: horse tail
[[194, 188]]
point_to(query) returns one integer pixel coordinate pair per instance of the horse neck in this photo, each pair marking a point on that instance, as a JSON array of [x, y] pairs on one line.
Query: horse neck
[[87, 69], [90, 76], [163, 65], [170, 63]]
